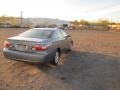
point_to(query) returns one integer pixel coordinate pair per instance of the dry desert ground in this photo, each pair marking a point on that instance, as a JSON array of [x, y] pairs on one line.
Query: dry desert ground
[[94, 64]]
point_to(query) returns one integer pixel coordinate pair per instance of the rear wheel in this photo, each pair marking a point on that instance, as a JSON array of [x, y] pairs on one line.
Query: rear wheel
[[56, 58], [71, 47]]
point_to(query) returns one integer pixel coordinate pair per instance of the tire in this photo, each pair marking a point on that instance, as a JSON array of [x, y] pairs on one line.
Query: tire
[[56, 58], [71, 47]]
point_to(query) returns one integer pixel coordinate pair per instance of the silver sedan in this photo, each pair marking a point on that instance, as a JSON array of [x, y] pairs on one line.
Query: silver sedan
[[38, 45]]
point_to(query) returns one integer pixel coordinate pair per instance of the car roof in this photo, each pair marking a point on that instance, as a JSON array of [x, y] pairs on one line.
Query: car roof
[[52, 29]]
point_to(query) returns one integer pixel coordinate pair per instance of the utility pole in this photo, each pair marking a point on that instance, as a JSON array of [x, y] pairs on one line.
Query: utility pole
[[21, 18]]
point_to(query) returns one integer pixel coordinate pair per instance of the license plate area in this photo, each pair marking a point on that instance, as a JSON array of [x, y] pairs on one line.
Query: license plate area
[[21, 47]]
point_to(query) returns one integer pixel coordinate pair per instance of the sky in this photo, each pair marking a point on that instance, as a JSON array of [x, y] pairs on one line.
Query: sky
[[63, 9]]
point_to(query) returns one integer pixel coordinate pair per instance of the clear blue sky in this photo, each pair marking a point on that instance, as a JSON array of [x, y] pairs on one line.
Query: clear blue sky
[[63, 9]]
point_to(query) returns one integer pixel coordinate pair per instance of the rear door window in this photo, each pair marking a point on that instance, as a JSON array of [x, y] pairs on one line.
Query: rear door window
[[55, 35], [59, 34], [64, 33]]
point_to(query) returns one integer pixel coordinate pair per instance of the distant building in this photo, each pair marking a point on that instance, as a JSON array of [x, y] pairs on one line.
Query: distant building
[[47, 22]]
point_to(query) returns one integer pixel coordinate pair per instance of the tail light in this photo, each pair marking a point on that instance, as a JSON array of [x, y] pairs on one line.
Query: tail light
[[7, 44], [40, 47]]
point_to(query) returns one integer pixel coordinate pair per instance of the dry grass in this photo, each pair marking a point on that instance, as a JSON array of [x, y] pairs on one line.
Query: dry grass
[[93, 65]]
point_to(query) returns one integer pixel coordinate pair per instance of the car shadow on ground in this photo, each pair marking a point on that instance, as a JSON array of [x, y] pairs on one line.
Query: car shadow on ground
[[76, 71], [87, 71]]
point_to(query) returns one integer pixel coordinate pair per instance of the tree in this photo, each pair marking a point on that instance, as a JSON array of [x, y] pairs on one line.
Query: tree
[[103, 22], [84, 22], [9, 20], [75, 22]]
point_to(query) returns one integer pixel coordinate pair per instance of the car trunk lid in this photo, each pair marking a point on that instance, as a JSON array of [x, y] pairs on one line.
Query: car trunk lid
[[23, 43]]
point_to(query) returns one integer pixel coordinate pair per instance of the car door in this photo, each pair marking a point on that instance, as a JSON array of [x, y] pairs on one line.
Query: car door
[[66, 39], [57, 40], [61, 41]]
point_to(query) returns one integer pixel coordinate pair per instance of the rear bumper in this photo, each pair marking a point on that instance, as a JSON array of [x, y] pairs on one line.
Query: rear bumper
[[41, 57]]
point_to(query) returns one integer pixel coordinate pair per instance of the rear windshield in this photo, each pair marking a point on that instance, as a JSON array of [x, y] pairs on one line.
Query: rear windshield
[[33, 33]]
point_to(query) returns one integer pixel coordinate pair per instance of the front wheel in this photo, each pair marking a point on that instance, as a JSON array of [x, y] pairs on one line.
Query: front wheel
[[56, 58]]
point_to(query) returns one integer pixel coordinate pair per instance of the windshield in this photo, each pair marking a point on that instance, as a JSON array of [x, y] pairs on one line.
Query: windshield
[[33, 33]]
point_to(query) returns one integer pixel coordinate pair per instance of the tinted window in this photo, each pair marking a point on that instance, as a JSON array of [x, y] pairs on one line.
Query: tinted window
[[37, 33]]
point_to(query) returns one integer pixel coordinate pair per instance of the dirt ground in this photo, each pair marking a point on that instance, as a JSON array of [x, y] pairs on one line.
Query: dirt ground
[[93, 65]]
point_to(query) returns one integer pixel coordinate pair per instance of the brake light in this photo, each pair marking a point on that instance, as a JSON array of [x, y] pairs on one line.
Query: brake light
[[39, 48], [7, 44]]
